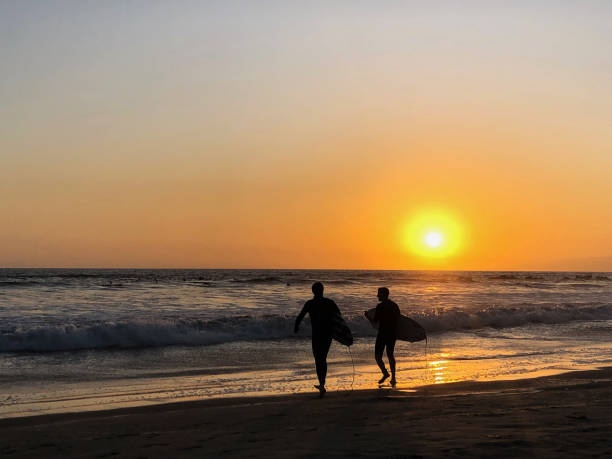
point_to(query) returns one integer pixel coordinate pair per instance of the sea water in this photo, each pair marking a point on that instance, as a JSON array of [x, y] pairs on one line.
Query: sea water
[[84, 339]]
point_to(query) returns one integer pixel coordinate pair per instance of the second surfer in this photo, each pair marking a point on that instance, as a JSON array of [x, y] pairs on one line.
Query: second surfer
[[387, 315]]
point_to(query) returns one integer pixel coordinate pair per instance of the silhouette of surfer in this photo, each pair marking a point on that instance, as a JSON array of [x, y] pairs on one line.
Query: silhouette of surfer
[[387, 315], [321, 310]]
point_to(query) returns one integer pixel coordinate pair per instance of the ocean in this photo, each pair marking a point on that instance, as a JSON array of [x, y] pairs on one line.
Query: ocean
[[89, 339]]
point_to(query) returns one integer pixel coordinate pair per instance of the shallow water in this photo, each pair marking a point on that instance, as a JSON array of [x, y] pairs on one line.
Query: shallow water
[[94, 339]]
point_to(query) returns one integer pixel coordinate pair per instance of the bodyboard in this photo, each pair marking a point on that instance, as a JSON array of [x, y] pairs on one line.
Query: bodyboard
[[407, 328]]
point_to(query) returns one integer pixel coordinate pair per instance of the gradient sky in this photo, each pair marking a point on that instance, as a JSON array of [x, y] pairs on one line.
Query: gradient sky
[[304, 134]]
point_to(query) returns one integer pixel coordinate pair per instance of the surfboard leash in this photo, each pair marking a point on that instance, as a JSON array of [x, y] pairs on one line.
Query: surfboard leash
[[353, 362], [426, 358]]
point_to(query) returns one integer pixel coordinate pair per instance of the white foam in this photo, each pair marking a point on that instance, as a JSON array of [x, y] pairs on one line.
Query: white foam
[[138, 333]]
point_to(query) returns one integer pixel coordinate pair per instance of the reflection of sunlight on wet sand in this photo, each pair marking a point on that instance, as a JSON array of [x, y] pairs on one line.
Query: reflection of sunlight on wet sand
[[438, 367]]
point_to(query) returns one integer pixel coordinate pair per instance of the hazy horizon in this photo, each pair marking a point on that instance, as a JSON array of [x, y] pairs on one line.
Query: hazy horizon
[[294, 269]]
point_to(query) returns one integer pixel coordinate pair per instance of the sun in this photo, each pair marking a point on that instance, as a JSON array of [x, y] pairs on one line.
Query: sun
[[433, 239], [432, 233]]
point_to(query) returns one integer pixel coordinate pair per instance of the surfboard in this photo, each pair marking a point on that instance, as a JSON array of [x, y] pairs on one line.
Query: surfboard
[[370, 313], [340, 331], [407, 328]]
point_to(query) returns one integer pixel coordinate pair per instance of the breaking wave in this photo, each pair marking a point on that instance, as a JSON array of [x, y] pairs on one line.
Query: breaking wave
[[138, 334]]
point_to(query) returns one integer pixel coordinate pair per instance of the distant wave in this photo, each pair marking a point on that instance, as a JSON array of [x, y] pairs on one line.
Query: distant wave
[[547, 277], [532, 284], [288, 280], [137, 334], [17, 283], [50, 278], [257, 280], [585, 285]]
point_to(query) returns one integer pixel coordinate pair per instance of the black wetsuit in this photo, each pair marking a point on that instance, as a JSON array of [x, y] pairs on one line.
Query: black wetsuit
[[321, 310], [387, 314]]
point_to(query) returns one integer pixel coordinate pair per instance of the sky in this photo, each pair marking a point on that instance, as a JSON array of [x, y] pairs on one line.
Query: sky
[[239, 134]]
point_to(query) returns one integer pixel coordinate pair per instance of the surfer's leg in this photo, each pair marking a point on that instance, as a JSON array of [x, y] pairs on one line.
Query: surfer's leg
[[326, 344], [390, 350], [320, 349], [379, 348], [320, 362]]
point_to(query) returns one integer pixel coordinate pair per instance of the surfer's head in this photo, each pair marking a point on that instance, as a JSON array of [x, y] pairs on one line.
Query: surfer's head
[[383, 293], [317, 289]]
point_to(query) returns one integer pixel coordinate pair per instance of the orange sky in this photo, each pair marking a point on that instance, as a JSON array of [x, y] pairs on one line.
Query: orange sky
[[189, 135]]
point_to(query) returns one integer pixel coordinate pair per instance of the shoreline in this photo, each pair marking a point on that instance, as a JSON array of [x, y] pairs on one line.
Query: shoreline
[[446, 388], [115, 401], [568, 414]]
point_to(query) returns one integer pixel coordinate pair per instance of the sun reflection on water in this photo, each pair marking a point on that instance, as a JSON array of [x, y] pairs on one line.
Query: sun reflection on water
[[438, 368]]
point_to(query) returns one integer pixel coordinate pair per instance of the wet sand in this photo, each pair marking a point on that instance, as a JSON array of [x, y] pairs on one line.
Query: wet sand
[[568, 415]]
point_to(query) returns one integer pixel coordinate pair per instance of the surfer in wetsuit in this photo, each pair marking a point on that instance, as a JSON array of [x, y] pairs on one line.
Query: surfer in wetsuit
[[321, 311], [387, 315]]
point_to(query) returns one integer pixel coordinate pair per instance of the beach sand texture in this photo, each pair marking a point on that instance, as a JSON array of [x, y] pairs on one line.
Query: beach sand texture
[[567, 415]]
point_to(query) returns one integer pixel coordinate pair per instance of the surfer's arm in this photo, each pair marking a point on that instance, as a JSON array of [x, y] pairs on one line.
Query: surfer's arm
[[300, 317], [376, 314]]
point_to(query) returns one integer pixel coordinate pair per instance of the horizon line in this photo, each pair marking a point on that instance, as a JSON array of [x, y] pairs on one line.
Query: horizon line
[[309, 269]]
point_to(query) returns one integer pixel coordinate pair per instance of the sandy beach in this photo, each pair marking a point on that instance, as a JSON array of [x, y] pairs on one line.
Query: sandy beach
[[567, 415]]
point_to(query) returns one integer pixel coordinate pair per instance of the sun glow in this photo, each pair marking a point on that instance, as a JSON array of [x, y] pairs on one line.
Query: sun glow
[[433, 233]]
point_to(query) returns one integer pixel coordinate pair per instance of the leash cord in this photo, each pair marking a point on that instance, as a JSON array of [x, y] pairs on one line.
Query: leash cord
[[353, 362]]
